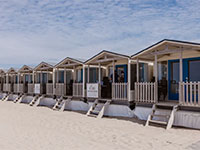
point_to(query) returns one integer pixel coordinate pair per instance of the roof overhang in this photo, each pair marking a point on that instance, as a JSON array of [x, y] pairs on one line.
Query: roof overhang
[[69, 63], [105, 57], [165, 47], [25, 69], [11, 71], [43, 66]]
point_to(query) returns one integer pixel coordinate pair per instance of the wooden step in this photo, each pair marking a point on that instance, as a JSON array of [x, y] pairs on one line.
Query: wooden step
[[95, 112], [160, 115], [158, 122], [92, 115]]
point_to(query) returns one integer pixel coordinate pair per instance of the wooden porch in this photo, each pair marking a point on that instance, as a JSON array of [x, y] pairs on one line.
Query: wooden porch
[[112, 74], [177, 86]]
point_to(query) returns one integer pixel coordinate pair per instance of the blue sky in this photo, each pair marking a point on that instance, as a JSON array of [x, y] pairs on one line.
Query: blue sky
[[32, 31]]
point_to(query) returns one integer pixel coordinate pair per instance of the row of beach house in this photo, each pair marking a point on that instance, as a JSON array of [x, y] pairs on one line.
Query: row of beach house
[[160, 84]]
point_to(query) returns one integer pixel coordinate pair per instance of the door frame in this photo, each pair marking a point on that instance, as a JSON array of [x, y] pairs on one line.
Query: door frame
[[125, 71], [171, 96]]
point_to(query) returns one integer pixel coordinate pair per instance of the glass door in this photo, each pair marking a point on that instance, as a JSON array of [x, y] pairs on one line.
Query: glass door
[[173, 79], [191, 70]]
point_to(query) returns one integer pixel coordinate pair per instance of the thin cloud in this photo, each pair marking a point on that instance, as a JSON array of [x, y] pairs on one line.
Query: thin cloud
[[50, 30]]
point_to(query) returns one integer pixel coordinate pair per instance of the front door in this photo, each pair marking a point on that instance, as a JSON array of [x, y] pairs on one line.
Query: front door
[[173, 79], [121, 73], [191, 70]]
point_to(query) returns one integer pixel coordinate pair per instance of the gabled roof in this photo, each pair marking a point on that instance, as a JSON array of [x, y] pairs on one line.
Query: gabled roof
[[11, 71], [109, 53], [2, 71], [43, 66], [25, 68], [68, 61], [166, 41]]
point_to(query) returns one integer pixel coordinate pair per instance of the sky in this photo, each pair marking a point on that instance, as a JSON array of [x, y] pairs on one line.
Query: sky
[[32, 31]]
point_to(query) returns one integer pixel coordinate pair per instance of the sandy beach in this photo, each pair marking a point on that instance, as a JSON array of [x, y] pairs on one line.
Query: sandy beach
[[26, 128]]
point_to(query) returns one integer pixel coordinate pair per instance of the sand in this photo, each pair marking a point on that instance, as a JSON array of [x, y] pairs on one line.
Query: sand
[[23, 127]]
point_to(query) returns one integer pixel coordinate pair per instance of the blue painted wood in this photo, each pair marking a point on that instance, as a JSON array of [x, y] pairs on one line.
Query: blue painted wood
[[171, 96], [125, 70]]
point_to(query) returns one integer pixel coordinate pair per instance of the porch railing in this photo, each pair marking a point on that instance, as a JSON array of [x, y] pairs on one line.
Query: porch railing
[[7, 87], [18, 88], [189, 93], [120, 91], [78, 89], [30, 88], [15, 88], [49, 88], [146, 92], [60, 89]]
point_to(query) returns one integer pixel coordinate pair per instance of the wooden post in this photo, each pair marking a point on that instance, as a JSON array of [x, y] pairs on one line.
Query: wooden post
[[7, 78], [57, 77], [129, 80], [137, 70], [33, 77], [18, 76], [54, 80], [181, 75], [41, 77], [181, 66], [84, 80], [156, 77], [156, 68], [74, 74], [113, 71], [88, 74], [65, 79], [99, 73]]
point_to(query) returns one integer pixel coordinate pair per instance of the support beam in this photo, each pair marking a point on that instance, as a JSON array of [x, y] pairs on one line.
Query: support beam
[[113, 71], [88, 74], [74, 74], [99, 73], [137, 69], [54, 81], [33, 77], [181, 66], [129, 80], [84, 80], [156, 68], [65, 78], [57, 77]]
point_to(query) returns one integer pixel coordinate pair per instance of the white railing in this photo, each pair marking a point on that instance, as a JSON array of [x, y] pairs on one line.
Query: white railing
[[49, 88], [31, 88], [15, 88], [189, 93], [8, 87], [120, 91], [78, 89], [5, 87], [21, 88], [146, 92], [60, 89]]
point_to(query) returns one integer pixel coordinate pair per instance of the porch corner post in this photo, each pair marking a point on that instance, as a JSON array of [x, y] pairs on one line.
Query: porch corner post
[[88, 74], [113, 71], [129, 80], [84, 80], [65, 76], [137, 69], [99, 73], [54, 80], [18, 82], [181, 74], [33, 77], [156, 77], [181, 66]]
